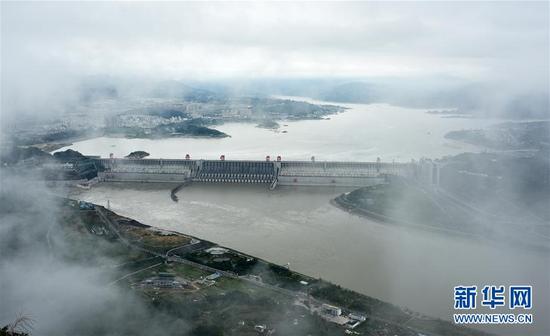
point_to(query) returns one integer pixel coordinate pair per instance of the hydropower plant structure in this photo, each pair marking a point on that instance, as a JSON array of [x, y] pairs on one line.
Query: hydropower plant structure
[[271, 173]]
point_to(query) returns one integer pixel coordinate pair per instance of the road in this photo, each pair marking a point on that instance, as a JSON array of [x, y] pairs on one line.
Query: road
[[135, 272], [175, 258]]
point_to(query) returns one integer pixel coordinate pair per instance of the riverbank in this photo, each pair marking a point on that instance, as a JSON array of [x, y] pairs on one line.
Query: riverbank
[[496, 197], [349, 202], [194, 260], [298, 225]]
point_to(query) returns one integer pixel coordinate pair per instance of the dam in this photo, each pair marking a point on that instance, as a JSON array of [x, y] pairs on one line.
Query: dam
[[272, 173]]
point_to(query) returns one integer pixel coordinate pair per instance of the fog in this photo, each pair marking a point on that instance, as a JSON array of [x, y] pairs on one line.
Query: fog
[[44, 280], [488, 60], [50, 48]]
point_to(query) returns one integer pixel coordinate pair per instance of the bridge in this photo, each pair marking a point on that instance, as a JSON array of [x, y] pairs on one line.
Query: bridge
[[272, 173]]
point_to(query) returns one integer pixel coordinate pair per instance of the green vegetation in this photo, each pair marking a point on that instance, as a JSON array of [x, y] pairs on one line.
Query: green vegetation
[[229, 261], [176, 111], [404, 203], [189, 272], [52, 136], [137, 155], [227, 305], [486, 195], [283, 277], [383, 316], [15, 154], [278, 109], [510, 135], [184, 128], [268, 124]]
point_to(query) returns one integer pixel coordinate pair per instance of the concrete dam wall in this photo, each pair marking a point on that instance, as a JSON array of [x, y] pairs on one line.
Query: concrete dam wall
[[235, 171], [273, 173]]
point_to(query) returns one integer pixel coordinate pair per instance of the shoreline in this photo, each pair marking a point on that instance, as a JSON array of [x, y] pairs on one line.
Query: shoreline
[[342, 204], [381, 219], [377, 311]]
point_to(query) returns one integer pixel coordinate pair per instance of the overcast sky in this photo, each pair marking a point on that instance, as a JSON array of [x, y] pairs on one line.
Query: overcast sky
[[48, 47], [466, 39]]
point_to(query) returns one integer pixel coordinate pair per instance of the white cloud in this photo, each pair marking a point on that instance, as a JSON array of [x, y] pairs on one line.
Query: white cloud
[[278, 39]]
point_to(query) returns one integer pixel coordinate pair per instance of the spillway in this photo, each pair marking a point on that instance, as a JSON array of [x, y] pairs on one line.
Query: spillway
[[273, 173]]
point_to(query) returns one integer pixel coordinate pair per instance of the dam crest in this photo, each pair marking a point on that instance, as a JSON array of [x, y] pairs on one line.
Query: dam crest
[[272, 173]]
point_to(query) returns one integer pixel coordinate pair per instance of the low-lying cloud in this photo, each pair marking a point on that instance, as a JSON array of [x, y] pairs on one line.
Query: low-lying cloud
[[61, 296], [48, 47]]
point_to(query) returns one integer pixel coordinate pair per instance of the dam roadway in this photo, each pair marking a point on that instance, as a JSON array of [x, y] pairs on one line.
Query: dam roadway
[[271, 173]]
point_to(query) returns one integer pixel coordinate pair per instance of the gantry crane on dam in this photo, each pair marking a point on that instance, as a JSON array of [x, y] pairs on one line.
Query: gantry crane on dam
[[270, 172]]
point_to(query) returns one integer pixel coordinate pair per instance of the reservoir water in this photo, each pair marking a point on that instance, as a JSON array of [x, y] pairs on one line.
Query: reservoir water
[[361, 133], [408, 267]]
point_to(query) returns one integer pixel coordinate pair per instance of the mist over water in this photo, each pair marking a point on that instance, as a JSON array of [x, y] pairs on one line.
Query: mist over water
[[69, 69], [413, 268]]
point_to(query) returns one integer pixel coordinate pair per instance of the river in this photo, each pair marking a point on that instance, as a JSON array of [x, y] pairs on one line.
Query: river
[[408, 267], [361, 133]]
